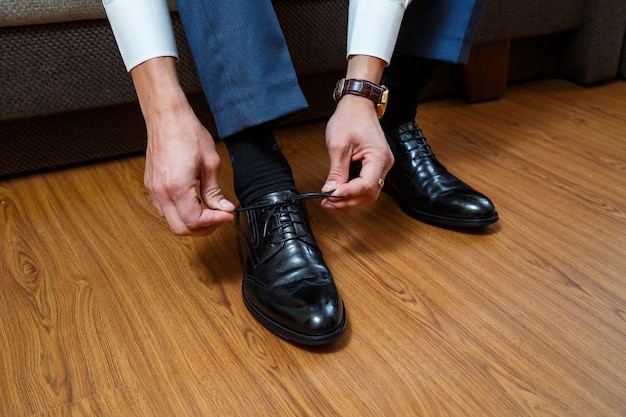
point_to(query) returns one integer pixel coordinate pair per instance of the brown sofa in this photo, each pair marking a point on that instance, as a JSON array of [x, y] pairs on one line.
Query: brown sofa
[[67, 99]]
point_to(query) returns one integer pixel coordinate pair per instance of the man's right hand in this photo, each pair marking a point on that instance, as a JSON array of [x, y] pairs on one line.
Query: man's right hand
[[182, 163]]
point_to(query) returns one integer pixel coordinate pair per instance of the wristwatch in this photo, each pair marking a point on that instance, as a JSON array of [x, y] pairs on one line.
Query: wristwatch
[[377, 93]]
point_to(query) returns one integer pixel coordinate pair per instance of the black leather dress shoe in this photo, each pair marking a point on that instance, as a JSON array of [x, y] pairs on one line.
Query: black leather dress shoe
[[424, 188], [287, 286]]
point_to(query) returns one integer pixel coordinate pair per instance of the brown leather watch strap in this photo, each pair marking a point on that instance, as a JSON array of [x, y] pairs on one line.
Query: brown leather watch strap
[[374, 92], [359, 87]]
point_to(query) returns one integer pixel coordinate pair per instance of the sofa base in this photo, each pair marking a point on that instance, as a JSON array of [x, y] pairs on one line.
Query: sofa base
[[61, 140]]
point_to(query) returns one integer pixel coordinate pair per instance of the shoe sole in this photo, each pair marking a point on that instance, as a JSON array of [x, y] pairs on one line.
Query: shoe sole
[[440, 220], [291, 335]]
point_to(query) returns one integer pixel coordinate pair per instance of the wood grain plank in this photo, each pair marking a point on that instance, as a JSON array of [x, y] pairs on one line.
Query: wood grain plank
[[103, 310], [56, 345]]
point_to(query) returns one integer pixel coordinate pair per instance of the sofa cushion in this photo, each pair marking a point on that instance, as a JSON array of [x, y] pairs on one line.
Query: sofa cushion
[[504, 20], [622, 68], [35, 12]]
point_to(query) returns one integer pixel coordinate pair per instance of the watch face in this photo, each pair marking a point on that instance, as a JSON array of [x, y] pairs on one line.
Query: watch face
[[338, 91], [382, 104], [384, 96]]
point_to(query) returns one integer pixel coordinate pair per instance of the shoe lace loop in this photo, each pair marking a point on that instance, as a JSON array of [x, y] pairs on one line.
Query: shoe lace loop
[[414, 140]]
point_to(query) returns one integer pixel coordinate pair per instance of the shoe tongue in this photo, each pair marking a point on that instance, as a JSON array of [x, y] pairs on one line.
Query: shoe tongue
[[288, 221], [405, 127], [275, 198], [409, 132]]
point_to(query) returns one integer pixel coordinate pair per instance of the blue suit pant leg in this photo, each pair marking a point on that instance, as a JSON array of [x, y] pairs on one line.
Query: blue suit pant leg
[[243, 62], [442, 30]]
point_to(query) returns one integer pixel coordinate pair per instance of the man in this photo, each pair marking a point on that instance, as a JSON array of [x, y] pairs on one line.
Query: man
[[249, 81]]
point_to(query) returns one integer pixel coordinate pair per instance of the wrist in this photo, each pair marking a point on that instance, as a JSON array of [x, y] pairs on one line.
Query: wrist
[[157, 86], [365, 67], [163, 102], [358, 105]]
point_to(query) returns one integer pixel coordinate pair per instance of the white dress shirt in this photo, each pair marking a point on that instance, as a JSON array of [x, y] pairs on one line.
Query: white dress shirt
[[143, 28], [373, 27]]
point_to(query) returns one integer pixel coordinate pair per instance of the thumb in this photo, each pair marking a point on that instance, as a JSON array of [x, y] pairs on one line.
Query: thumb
[[334, 180], [210, 190], [330, 185], [338, 173], [214, 198]]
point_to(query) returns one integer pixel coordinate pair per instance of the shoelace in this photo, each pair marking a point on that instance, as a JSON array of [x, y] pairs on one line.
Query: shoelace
[[419, 144], [291, 200], [282, 213]]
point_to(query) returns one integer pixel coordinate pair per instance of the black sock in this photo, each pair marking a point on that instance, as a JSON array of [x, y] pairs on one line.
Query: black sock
[[259, 166], [406, 77]]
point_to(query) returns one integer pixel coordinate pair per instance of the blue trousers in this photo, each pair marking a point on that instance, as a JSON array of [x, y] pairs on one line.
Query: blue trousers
[[442, 30], [245, 68]]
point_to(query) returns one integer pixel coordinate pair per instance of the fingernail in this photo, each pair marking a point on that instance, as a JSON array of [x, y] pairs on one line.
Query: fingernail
[[329, 206], [329, 186], [226, 204]]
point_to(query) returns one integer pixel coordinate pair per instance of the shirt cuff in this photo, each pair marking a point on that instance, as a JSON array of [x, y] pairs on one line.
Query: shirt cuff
[[142, 29], [373, 27]]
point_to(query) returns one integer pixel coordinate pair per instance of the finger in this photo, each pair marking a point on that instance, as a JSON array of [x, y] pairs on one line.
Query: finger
[[372, 174], [368, 183], [187, 218], [358, 193]]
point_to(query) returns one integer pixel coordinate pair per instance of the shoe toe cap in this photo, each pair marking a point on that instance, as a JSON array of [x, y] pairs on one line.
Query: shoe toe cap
[[315, 310], [323, 318], [470, 204], [311, 314]]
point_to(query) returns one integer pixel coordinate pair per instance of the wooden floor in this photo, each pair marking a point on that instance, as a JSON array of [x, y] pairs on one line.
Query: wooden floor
[[104, 313]]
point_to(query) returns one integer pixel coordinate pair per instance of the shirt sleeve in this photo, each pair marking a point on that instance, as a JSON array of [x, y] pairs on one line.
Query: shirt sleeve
[[373, 27], [142, 29]]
